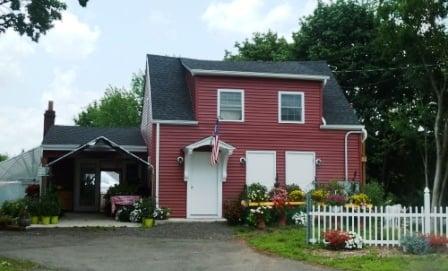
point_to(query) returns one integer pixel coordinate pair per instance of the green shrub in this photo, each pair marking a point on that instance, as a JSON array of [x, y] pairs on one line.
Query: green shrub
[[49, 204], [33, 206], [6, 220], [13, 208], [147, 206], [293, 187], [233, 212], [123, 214], [415, 244], [375, 192], [257, 192]]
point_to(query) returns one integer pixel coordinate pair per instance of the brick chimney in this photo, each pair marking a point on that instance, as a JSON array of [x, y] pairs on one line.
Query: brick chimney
[[49, 117]]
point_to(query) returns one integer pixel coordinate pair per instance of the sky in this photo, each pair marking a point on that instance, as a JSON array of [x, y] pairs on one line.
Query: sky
[[103, 44]]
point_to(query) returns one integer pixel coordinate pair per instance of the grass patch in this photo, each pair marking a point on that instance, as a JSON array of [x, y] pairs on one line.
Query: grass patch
[[290, 242], [17, 265]]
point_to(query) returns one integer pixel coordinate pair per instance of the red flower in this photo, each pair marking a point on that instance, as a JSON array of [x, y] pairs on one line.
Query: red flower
[[336, 239]]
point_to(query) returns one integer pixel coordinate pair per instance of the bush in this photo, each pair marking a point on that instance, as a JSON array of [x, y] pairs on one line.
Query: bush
[[257, 192], [375, 192], [292, 187], [13, 208], [296, 195], [438, 243], [33, 206], [360, 199], [162, 213], [49, 204], [233, 212], [319, 195], [123, 214], [415, 244], [336, 200], [147, 207], [6, 220], [335, 239]]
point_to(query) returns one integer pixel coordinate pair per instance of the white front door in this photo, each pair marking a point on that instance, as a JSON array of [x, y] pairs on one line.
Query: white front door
[[300, 169], [204, 191]]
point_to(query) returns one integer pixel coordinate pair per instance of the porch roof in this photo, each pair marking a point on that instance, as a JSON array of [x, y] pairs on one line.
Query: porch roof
[[95, 143]]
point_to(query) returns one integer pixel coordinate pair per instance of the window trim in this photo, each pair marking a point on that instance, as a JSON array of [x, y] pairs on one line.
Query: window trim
[[218, 107], [301, 93]]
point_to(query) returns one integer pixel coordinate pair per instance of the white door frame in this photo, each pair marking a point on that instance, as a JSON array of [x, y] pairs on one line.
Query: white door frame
[[219, 196], [302, 152]]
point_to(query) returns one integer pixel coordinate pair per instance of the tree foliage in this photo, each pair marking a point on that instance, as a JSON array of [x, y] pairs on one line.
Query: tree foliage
[[375, 49], [31, 17], [118, 107], [3, 157]]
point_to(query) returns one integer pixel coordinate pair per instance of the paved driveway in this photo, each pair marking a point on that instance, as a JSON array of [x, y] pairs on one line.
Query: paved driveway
[[191, 246]]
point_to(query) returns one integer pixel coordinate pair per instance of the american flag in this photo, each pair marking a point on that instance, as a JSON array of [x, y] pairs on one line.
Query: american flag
[[214, 157]]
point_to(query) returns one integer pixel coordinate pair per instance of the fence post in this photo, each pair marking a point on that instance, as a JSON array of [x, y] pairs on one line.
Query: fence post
[[427, 215], [308, 217]]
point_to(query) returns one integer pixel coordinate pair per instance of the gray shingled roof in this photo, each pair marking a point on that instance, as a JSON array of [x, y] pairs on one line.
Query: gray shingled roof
[[172, 101], [76, 135]]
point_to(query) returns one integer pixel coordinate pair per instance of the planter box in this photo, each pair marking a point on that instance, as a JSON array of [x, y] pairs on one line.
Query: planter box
[[269, 203]]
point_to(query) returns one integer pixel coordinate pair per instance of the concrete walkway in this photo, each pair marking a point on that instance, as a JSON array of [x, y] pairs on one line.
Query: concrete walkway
[[176, 246]]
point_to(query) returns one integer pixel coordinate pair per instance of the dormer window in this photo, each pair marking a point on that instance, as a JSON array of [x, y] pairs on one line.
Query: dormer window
[[291, 107], [231, 105]]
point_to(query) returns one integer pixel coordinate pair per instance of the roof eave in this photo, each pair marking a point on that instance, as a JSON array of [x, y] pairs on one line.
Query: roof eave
[[259, 74]]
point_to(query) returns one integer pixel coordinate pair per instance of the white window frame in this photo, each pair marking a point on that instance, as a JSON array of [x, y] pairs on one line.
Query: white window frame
[[300, 93], [218, 107]]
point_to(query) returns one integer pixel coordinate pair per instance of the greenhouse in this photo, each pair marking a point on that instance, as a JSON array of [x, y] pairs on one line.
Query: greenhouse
[[18, 172]]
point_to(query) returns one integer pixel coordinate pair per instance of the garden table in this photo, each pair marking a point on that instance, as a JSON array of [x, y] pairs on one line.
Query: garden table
[[122, 200]]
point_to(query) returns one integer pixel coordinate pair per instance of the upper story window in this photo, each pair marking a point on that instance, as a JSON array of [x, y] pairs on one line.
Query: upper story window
[[231, 105], [291, 107]]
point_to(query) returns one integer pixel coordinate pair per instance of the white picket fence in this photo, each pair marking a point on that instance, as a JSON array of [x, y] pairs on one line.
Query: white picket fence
[[379, 225]]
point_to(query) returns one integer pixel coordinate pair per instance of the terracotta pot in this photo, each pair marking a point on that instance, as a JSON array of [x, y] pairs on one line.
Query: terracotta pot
[[261, 224], [148, 222], [54, 220]]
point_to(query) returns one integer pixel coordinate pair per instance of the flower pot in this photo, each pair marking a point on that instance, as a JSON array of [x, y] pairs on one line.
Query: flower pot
[[148, 222], [35, 220], [282, 218], [45, 220], [261, 224], [54, 219]]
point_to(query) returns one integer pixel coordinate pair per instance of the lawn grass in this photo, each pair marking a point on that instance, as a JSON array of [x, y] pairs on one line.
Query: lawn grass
[[17, 265], [290, 242]]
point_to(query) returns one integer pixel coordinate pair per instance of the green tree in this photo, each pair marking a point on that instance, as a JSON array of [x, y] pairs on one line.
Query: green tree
[[118, 108], [3, 157], [263, 46], [416, 32], [31, 17]]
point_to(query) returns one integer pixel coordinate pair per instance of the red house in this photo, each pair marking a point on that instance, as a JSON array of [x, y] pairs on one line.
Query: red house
[[286, 122]]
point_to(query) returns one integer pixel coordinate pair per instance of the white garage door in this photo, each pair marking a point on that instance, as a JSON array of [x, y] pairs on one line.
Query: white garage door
[[260, 168], [300, 169]]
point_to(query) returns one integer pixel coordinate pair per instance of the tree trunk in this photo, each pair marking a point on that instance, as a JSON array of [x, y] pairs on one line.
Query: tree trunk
[[438, 175]]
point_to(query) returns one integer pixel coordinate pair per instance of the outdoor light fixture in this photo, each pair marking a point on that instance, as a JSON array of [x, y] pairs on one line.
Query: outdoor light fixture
[[242, 161], [180, 160], [318, 161]]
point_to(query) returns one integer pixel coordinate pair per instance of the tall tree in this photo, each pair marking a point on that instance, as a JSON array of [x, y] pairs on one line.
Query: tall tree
[[3, 157], [118, 108], [31, 17], [416, 31]]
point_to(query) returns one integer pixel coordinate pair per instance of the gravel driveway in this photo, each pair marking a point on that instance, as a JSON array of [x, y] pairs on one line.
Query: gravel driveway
[[176, 246]]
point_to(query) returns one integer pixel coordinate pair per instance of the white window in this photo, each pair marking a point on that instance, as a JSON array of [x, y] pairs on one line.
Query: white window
[[231, 105], [291, 107], [300, 169], [261, 168]]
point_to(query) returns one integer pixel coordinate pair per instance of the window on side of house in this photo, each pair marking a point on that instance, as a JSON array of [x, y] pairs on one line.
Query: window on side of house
[[291, 107], [231, 105]]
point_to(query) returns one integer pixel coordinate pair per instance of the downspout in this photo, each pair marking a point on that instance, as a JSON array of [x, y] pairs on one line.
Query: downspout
[[157, 162], [364, 133]]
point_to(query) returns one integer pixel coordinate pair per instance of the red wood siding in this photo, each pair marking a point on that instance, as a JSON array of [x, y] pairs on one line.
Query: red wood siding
[[260, 131]]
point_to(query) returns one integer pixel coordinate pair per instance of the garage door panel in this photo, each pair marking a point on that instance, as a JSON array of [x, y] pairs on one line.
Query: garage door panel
[[300, 169], [261, 167]]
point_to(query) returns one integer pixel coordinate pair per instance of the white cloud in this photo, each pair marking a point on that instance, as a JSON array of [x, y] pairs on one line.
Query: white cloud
[[70, 38], [248, 16], [13, 50], [68, 99]]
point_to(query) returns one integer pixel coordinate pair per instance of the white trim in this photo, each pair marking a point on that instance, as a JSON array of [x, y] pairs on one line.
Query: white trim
[[70, 147], [259, 74], [218, 103], [176, 122], [279, 103], [302, 152], [267, 152], [341, 127], [157, 162]]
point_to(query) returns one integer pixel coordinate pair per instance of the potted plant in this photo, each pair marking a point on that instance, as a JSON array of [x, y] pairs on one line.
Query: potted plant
[[45, 210], [279, 199], [147, 205], [24, 218], [259, 216], [55, 210], [34, 210]]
